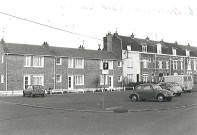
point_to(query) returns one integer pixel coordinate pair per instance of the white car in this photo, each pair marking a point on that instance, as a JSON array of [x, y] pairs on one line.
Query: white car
[[171, 86]]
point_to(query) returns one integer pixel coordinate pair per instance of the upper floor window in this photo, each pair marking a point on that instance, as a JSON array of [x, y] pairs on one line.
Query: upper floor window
[[2, 78], [145, 63], [159, 48], [79, 63], [27, 62], [129, 63], [189, 65], [160, 64], [2, 59], [187, 53], [129, 47], [110, 64], [181, 65], [144, 48], [119, 64], [175, 64], [58, 61], [38, 61], [120, 78], [58, 78], [167, 64], [173, 51], [70, 63]]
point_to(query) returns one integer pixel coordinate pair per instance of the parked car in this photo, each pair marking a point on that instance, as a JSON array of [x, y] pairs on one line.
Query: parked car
[[150, 91], [174, 87], [33, 90]]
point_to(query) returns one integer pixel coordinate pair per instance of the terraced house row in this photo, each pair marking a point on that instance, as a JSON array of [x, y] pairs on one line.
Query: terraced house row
[[56, 67], [146, 60]]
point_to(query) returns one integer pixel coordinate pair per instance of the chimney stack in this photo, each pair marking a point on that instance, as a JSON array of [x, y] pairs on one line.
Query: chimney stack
[[45, 44], [132, 36]]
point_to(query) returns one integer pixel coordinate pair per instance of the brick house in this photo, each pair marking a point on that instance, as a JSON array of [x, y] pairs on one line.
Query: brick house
[[146, 60], [56, 67]]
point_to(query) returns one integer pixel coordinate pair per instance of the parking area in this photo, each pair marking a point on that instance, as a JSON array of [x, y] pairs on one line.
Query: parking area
[[99, 101]]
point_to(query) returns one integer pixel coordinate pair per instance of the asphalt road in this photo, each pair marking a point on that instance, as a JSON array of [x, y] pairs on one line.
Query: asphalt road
[[83, 114]]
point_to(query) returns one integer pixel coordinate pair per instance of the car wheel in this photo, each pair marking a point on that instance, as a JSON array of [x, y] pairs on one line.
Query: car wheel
[[169, 99], [32, 95], [42, 95], [178, 94], [160, 98], [134, 98], [23, 94]]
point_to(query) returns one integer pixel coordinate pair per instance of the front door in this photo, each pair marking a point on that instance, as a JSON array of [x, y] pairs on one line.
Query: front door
[[70, 82], [111, 80], [26, 81]]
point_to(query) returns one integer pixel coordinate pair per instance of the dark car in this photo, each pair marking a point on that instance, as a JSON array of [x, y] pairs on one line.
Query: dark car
[[33, 90], [150, 91], [171, 86]]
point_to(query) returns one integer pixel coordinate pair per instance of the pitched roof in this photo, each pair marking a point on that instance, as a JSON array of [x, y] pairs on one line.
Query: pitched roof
[[44, 50]]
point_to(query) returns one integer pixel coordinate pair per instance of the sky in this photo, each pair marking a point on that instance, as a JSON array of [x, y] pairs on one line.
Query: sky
[[71, 23]]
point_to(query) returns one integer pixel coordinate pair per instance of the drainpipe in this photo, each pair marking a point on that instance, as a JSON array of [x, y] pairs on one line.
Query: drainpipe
[[6, 73], [54, 81]]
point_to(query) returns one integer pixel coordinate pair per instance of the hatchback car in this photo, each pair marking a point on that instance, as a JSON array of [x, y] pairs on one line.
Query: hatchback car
[[171, 86], [33, 90], [150, 91]]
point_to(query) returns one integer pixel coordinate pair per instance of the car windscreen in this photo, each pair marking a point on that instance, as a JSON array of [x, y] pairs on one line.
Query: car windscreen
[[156, 87]]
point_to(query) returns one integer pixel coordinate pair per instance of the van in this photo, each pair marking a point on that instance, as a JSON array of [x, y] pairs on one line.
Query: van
[[185, 81]]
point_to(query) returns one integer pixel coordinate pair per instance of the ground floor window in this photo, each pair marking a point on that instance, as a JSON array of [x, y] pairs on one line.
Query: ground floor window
[[102, 80], [38, 80], [145, 77], [79, 79], [58, 78], [2, 78], [129, 78]]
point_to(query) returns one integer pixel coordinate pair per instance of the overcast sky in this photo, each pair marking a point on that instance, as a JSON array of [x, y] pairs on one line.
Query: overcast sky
[[90, 20]]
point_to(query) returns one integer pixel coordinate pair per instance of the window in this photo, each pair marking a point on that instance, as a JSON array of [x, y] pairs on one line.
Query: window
[[58, 78], [159, 48], [129, 78], [187, 53], [145, 77], [160, 64], [175, 64], [38, 61], [194, 65], [147, 88], [2, 78], [167, 64], [181, 65], [110, 64], [38, 80], [79, 63], [145, 63], [102, 79], [144, 48], [58, 61], [130, 63], [189, 65], [79, 79], [129, 47], [27, 61], [173, 51], [119, 78], [70, 63], [119, 64], [2, 59], [101, 64]]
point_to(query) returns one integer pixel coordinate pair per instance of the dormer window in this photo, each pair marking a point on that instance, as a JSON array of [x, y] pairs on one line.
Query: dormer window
[[173, 51], [144, 48], [159, 48], [187, 52], [129, 47]]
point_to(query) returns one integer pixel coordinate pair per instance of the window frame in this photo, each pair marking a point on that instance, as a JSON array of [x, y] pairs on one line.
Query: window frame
[[77, 61], [42, 79], [60, 61], [60, 78], [27, 64], [40, 61], [81, 82], [72, 62], [2, 78]]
